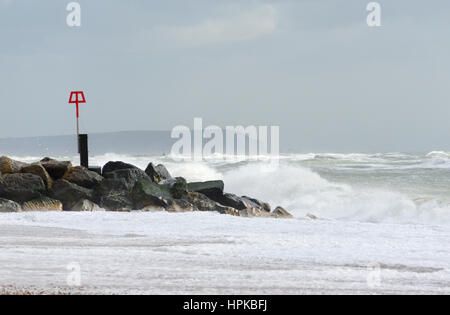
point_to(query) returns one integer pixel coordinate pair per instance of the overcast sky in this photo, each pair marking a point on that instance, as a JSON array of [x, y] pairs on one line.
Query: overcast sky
[[312, 67]]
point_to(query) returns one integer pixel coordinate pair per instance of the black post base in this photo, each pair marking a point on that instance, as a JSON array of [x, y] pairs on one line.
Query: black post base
[[84, 151]]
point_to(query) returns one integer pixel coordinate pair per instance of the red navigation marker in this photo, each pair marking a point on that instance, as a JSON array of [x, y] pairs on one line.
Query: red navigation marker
[[77, 97]]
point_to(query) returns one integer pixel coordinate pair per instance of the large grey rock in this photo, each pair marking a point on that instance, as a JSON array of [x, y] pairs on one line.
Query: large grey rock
[[39, 170], [230, 211], [113, 195], [83, 177], [10, 166], [56, 169], [178, 186], [212, 189], [233, 201], [69, 194], [156, 209], [242, 203], [9, 206], [255, 203], [254, 212], [130, 176], [21, 187], [149, 194], [115, 166], [178, 205], [281, 213], [193, 201], [157, 173], [202, 203], [43, 204]]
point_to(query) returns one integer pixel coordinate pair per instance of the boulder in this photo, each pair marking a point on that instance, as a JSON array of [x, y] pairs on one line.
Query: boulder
[[9, 206], [281, 213], [83, 177], [233, 201], [115, 191], [56, 169], [113, 195], [178, 186], [86, 205], [21, 187], [312, 216], [202, 203], [254, 212], [175, 205], [212, 189], [154, 209], [96, 169], [69, 194], [42, 204], [149, 194], [115, 166], [255, 203], [130, 176], [157, 173], [230, 211], [10, 166], [39, 170]]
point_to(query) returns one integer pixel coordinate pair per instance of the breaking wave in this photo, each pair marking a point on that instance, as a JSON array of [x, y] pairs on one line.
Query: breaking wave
[[304, 191], [413, 189]]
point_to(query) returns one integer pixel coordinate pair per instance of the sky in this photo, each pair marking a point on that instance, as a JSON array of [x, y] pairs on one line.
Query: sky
[[314, 68]]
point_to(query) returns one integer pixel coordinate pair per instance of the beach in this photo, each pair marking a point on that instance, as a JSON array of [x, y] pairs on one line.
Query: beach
[[378, 224], [206, 253]]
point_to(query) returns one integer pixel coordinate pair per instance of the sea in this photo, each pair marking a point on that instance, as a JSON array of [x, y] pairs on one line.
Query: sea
[[383, 187], [364, 224]]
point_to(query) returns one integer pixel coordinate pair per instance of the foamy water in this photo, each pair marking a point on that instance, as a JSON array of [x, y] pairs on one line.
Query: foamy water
[[209, 253], [390, 188], [390, 211]]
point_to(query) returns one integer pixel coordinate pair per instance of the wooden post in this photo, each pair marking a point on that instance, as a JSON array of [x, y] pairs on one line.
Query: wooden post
[[84, 150]]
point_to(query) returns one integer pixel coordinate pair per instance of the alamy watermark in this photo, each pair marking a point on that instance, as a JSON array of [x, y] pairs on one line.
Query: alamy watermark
[[374, 17], [229, 143], [374, 275], [74, 276], [74, 17]]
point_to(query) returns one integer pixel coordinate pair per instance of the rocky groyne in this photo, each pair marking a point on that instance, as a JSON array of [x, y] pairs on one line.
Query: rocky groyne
[[52, 185]]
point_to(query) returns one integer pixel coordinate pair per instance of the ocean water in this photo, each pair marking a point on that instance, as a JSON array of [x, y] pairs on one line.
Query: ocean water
[[374, 188], [383, 228]]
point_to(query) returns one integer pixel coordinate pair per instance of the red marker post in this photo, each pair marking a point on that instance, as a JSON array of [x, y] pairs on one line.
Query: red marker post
[[77, 97]]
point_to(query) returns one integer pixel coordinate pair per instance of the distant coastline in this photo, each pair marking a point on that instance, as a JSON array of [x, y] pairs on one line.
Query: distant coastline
[[124, 142]]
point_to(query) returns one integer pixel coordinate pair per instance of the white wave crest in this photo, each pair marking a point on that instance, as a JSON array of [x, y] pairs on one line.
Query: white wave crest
[[302, 191]]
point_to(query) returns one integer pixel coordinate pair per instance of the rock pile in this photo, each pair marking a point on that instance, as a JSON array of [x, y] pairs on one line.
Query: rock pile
[[51, 185]]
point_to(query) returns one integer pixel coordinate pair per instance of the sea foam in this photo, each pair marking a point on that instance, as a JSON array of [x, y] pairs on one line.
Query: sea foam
[[376, 188]]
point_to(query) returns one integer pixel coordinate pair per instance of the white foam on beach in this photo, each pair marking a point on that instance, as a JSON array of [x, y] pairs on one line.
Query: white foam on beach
[[201, 253], [363, 223]]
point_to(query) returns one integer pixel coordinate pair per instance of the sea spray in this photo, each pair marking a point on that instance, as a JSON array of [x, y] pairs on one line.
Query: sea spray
[[376, 188]]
